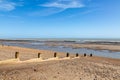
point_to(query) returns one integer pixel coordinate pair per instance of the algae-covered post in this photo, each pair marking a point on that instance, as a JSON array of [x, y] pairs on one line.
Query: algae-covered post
[[85, 55], [16, 55], [91, 55], [39, 55], [55, 54], [77, 55], [67, 55]]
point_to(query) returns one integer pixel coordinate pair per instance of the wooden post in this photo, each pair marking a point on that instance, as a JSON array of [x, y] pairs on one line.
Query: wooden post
[[67, 55], [39, 55], [55, 54], [16, 55], [91, 55], [85, 55], [77, 55]]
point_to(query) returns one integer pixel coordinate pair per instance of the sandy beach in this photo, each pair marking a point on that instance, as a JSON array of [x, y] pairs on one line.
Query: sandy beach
[[29, 67]]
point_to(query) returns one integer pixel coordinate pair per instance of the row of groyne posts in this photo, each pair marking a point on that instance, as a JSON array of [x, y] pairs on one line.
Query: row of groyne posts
[[55, 55]]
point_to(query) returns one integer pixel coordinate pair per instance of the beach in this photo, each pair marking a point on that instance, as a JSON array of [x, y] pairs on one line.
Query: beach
[[29, 67], [59, 39]]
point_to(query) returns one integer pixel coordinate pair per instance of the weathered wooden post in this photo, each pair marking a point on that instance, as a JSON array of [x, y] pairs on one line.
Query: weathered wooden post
[[85, 55], [77, 55], [55, 55], [39, 55], [16, 55], [91, 55], [67, 55]]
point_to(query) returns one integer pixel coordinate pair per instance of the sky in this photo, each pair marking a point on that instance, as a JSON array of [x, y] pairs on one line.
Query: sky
[[59, 18]]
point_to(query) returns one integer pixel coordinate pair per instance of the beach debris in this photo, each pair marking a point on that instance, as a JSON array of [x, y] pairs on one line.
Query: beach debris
[[85, 55], [77, 55], [55, 54], [39, 55], [16, 55], [67, 55]]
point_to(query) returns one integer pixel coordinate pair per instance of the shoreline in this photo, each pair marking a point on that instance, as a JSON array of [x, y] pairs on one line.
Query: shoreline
[[95, 45], [36, 51], [24, 51]]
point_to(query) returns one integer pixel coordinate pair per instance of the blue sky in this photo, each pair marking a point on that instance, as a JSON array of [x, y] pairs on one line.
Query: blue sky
[[59, 18]]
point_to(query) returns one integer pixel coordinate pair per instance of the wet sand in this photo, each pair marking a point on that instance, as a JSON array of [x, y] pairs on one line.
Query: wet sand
[[29, 67], [94, 46], [111, 46]]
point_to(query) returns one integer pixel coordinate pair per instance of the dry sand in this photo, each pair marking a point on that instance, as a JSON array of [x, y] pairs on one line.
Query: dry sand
[[29, 67]]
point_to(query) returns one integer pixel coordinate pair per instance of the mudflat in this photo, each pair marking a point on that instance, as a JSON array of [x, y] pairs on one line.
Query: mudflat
[[95, 46], [29, 67]]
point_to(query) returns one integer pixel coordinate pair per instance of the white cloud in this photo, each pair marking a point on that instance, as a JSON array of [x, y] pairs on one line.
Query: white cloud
[[57, 6], [6, 5], [65, 4], [46, 12]]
